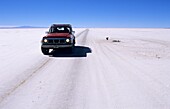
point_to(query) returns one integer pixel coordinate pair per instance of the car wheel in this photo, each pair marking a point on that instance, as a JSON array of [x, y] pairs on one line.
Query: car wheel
[[45, 51]]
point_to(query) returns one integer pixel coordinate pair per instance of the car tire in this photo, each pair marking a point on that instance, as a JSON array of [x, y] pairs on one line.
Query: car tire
[[45, 51], [74, 41]]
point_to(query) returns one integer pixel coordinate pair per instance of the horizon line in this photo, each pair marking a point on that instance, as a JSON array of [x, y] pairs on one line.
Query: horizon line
[[15, 27]]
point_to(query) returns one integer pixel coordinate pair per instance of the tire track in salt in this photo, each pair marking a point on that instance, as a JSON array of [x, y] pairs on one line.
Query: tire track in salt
[[79, 34], [32, 73], [137, 72], [72, 76]]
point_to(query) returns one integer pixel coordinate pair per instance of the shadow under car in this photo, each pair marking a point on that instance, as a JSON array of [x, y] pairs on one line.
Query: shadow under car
[[77, 51]]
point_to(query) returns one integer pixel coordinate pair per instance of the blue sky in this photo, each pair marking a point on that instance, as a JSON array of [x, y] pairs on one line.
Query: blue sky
[[86, 13]]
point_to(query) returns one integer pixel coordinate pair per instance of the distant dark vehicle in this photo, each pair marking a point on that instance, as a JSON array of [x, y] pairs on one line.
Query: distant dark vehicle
[[59, 36]]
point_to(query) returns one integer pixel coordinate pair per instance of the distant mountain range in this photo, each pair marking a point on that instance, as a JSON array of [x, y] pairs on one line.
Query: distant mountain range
[[21, 27]]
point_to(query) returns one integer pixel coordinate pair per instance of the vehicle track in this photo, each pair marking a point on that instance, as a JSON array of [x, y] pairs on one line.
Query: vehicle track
[[152, 86], [71, 78], [116, 51], [84, 31], [31, 74]]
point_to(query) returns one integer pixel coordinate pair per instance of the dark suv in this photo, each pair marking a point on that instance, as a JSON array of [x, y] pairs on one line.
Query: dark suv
[[59, 36]]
